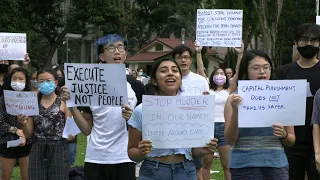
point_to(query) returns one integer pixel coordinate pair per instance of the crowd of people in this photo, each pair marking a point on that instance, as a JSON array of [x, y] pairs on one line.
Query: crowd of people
[[115, 147]]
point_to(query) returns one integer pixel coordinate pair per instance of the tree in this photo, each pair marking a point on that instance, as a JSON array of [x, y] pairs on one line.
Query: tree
[[53, 19], [269, 12]]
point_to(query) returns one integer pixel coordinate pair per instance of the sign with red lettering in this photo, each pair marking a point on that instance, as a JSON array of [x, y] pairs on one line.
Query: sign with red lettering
[[19, 102], [13, 46]]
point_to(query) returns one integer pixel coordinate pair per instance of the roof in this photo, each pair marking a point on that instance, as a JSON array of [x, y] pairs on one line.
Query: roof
[[174, 42], [148, 56], [141, 55]]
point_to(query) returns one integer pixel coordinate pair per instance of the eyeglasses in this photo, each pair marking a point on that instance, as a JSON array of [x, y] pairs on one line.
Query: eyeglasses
[[305, 40], [112, 49], [179, 58], [265, 68]]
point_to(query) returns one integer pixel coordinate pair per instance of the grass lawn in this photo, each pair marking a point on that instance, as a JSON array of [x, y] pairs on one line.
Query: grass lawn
[[81, 149]]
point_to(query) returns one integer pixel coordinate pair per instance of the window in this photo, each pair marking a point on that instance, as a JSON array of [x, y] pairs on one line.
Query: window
[[158, 47]]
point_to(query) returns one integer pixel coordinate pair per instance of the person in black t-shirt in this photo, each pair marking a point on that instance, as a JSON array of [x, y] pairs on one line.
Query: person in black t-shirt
[[137, 87], [301, 155]]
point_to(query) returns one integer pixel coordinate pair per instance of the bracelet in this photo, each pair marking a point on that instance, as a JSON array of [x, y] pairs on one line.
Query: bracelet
[[286, 135]]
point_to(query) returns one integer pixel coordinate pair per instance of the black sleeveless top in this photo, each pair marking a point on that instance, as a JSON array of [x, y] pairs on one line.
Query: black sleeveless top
[[50, 122]]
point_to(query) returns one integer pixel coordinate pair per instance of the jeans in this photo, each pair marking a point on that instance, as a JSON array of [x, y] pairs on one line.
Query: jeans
[[72, 152], [155, 170]]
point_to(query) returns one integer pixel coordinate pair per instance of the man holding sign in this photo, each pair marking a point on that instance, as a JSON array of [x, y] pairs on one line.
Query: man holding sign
[[106, 153], [301, 155]]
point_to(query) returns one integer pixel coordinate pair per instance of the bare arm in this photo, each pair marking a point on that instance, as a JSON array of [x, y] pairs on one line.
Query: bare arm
[[291, 138], [135, 136], [199, 60], [316, 138], [234, 80], [84, 121], [28, 127], [231, 131]]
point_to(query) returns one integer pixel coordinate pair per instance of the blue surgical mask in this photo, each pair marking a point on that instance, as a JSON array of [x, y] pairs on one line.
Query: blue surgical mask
[[46, 88]]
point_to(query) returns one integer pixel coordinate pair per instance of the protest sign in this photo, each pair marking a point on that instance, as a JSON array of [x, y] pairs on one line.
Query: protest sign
[[13, 46], [96, 84], [219, 27], [178, 121], [193, 87], [268, 102], [318, 20], [19, 102]]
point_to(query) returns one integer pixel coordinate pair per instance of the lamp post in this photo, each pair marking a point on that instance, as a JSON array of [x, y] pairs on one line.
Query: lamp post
[[183, 33]]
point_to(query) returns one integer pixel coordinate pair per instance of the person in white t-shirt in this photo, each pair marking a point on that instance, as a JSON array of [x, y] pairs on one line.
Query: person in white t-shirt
[[106, 153], [192, 83]]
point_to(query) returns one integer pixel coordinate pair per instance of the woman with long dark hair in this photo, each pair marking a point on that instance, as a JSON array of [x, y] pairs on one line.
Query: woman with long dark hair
[[11, 129]]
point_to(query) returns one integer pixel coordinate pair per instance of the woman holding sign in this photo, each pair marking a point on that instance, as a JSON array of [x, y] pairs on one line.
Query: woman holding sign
[[161, 164], [257, 153], [11, 129], [49, 153]]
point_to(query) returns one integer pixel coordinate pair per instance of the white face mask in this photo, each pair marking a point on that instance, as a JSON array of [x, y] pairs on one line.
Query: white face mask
[[18, 86]]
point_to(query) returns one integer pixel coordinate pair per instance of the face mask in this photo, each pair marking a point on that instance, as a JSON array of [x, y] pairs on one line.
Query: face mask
[[34, 84], [46, 88], [17, 86], [219, 79], [61, 81], [308, 51], [140, 73], [4, 68]]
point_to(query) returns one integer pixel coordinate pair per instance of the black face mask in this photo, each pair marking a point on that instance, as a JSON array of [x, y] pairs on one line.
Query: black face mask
[[61, 81], [4, 68], [308, 51]]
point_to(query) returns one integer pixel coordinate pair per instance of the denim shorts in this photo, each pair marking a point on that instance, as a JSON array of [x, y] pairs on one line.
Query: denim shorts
[[219, 134], [155, 170], [261, 173], [72, 152]]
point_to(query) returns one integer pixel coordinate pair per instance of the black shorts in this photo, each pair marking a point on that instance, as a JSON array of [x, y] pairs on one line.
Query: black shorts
[[14, 152], [122, 171]]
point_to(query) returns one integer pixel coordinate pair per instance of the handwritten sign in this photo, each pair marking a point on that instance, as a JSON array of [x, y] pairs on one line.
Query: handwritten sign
[[194, 87], [219, 27], [17, 102], [178, 121], [318, 20], [96, 84], [13, 46], [268, 102]]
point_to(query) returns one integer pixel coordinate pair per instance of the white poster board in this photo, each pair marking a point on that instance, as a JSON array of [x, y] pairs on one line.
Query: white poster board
[[193, 87], [178, 121], [20, 102], [318, 20], [13, 46], [268, 102], [96, 84], [219, 27]]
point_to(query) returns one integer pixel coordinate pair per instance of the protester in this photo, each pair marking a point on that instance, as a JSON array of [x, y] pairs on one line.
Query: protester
[[11, 129], [4, 68], [256, 153], [229, 72], [161, 164], [48, 157], [106, 153], [302, 155]]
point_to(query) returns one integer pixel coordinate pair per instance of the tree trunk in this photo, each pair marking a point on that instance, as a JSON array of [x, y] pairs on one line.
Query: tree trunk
[[54, 43], [268, 23]]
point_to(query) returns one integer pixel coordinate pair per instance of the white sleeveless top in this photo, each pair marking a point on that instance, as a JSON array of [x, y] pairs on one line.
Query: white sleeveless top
[[221, 99]]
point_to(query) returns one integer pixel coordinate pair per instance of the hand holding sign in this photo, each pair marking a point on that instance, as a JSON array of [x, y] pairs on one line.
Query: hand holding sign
[[145, 147], [279, 131], [126, 112], [65, 94], [26, 60], [23, 141], [22, 119], [197, 47], [240, 50], [235, 100], [211, 146]]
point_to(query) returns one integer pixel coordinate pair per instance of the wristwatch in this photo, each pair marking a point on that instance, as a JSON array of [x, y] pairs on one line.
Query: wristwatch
[[13, 130]]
